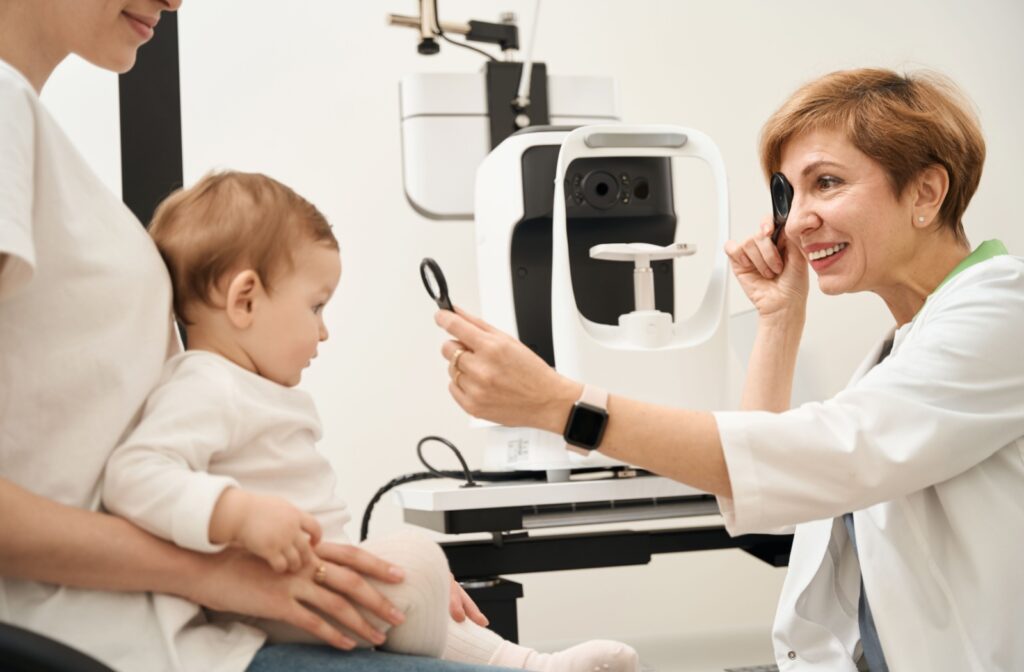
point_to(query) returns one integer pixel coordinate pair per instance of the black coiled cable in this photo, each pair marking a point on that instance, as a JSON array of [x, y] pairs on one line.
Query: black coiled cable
[[471, 478]]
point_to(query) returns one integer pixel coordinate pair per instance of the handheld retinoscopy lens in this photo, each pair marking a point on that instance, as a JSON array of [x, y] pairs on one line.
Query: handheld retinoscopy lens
[[782, 199], [435, 284]]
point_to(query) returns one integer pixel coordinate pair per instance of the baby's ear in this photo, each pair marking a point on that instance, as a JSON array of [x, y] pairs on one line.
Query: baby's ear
[[243, 290]]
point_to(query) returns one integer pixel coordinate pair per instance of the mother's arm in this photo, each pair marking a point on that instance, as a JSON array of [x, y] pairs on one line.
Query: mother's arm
[[53, 543], [49, 542]]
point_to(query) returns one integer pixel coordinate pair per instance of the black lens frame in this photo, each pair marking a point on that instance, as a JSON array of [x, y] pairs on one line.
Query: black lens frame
[[441, 298], [782, 200]]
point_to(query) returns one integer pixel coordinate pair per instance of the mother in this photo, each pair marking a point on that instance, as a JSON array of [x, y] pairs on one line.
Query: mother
[[85, 326], [907, 488]]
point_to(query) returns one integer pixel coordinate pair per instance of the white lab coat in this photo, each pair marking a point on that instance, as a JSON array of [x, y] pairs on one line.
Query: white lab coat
[[927, 450]]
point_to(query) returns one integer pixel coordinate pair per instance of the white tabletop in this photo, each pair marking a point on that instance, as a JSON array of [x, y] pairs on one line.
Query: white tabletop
[[449, 495]]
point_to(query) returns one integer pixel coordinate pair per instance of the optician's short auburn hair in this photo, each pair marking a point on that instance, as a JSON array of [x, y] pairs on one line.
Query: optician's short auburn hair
[[231, 221], [904, 122]]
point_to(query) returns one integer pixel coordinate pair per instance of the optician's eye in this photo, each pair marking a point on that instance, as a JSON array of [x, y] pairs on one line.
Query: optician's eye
[[826, 182]]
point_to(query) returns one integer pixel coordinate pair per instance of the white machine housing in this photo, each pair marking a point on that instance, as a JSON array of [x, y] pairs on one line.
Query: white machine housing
[[688, 368], [445, 123]]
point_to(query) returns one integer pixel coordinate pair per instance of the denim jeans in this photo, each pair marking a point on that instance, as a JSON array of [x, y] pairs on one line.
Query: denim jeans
[[314, 658]]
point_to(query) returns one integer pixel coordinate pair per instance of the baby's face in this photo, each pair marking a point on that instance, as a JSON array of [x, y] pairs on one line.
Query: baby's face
[[290, 324]]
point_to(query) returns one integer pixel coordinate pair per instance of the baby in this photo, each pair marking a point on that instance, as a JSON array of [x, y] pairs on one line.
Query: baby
[[225, 452]]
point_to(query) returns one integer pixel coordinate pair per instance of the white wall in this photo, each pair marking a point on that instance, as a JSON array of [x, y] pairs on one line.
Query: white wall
[[307, 92]]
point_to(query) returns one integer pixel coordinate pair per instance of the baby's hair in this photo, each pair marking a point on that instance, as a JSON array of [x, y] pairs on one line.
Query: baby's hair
[[232, 221]]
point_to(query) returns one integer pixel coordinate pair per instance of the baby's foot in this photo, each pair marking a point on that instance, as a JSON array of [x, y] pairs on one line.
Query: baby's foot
[[597, 655]]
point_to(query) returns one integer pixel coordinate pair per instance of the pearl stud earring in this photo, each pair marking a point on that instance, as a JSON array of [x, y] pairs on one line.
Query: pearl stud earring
[[920, 219]]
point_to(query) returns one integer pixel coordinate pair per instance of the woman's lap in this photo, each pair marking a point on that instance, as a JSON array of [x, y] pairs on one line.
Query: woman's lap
[[314, 658]]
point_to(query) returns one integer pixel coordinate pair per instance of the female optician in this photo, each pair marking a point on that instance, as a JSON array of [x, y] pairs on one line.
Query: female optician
[[85, 326], [924, 447]]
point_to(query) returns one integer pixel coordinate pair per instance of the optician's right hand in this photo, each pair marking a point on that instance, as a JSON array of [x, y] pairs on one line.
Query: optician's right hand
[[240, 582], [775, 280]]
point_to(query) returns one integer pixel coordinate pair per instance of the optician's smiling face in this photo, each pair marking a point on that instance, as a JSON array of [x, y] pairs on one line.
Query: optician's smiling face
[[107, 33], [845, 217]]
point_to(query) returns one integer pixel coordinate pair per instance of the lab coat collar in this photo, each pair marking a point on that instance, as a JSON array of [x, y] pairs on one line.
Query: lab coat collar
[[985, 251]]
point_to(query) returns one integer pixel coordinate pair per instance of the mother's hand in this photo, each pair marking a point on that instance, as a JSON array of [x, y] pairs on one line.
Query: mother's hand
[[497, 378], [775, 280], [240, 582], [461, 605]]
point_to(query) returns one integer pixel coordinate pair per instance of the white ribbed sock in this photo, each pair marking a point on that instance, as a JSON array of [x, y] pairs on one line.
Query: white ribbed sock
[[597, 655], [470, 643]]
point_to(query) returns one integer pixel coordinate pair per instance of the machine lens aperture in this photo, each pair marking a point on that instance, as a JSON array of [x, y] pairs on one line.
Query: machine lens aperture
[[600, 189]]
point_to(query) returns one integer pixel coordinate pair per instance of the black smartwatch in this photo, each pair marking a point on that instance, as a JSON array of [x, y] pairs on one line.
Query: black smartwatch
[[587, 420]]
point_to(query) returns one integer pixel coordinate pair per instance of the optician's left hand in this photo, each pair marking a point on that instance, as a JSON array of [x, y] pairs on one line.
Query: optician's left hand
[[462, 605], [497, 378]]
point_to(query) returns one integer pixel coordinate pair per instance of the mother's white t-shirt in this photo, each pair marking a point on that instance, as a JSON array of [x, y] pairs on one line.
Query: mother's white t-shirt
[[85, 327]]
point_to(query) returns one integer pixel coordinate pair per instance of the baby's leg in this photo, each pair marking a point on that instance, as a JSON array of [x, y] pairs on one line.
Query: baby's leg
[[429, 630], [424, 599], [422, 596]]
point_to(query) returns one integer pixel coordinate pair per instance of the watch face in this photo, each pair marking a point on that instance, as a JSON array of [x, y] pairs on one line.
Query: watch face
[[586, 426]]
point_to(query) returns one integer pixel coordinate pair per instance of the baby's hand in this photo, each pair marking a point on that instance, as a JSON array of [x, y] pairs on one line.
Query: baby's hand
[[267, 526]]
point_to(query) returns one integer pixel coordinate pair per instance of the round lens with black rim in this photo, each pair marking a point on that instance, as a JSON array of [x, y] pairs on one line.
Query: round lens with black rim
[[782, 196], [782, 200], [434, 282]]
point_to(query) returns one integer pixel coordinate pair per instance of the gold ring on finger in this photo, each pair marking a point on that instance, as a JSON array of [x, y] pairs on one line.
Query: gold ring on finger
[[455, 358], [455, 380], [320, 575]]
